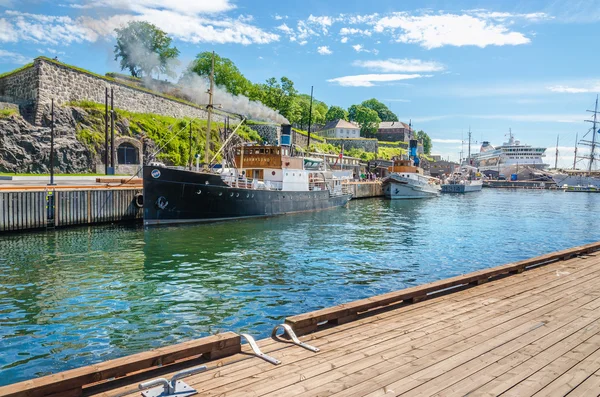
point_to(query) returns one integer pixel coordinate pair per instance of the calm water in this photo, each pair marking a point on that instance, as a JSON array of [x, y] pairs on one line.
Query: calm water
[[75, 297]]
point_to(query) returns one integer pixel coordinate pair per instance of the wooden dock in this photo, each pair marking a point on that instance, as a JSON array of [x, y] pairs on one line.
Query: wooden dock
[[521, 329], [43, 207]]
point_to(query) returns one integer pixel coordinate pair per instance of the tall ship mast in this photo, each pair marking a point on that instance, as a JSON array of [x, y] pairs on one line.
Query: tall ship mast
[[259, 181], [590, 176]]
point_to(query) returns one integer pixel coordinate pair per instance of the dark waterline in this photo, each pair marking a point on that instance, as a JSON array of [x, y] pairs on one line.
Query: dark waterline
[[79, 296]]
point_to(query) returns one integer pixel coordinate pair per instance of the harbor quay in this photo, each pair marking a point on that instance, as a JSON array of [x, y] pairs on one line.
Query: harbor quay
[[526, 328], [32, 206]]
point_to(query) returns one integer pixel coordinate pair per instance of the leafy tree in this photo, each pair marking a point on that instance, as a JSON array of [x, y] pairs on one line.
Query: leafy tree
[[144, 49], [227, 75], [367, 119], [335, 113], [383, 112], [280, 95], [422, 135]]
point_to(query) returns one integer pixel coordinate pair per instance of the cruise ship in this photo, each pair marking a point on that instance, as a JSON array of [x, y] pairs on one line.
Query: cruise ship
[[493, 160]]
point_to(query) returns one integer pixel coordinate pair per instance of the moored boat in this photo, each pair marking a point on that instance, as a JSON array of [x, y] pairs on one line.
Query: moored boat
[[464, 180], [268, 181], [407, 181], [591, 176]]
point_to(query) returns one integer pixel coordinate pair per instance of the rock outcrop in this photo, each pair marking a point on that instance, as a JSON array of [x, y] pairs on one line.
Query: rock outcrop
[[25, 148]]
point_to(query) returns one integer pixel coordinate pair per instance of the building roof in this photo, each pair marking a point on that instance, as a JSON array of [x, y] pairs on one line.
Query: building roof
[[392, 124], [339, 123]]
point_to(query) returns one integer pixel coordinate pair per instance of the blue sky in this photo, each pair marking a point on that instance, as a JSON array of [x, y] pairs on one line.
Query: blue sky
[[532, 66]]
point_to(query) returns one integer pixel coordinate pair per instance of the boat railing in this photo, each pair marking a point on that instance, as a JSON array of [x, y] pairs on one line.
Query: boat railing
[[252, 183]]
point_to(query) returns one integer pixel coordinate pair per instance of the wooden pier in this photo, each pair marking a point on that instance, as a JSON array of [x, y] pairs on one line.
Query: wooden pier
[[43, 207], [521, 329]]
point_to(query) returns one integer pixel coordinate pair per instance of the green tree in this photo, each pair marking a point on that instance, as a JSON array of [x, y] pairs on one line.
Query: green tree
[[336, 113], [144, 49], [422, 135], [367, 119], [227, 75], [383, 112], [280, 95]]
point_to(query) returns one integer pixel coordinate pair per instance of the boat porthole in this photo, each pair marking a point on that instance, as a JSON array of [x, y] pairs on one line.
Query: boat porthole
[[231, 195], [237, 195], [220, 193], [247, 196]]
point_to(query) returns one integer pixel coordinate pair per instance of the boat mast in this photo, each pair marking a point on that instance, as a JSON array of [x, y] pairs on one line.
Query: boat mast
[[556, 155], [594, 132], [575, 157], [469, 156], [209, 109]]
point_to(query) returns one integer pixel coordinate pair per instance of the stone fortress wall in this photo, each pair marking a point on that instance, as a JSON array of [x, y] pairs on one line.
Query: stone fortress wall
[[46, 79]]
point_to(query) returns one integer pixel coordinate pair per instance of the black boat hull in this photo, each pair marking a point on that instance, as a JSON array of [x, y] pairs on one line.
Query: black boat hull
[[176, 196]]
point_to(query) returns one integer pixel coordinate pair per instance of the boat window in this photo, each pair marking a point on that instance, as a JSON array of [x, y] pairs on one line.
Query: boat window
[[277, 151], [262, 151], [257, 151], [237, 152]]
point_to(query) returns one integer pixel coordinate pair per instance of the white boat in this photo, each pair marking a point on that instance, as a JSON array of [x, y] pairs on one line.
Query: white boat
[[407, 181], [464, 180], [591, 176], [493, 160]]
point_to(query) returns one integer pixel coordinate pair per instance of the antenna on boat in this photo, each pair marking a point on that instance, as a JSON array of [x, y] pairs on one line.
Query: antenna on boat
[[209, 110], [556, 155], [594, 121], [575, 156], [469, 156], [309, 117]]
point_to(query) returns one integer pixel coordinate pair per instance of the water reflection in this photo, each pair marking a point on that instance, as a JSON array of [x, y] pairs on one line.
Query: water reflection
[[78, 296]]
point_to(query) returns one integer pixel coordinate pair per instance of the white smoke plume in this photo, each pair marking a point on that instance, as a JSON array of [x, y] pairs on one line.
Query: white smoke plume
[[196, 88]]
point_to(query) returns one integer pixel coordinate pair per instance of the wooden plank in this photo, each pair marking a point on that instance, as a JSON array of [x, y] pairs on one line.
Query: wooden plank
[[305, 322], [77, 378], [394, 338], [372, 340], [380, 370]]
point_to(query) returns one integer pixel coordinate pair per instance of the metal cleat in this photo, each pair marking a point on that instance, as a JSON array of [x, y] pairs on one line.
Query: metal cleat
[[174, 388], [290, 333], [257, 351]]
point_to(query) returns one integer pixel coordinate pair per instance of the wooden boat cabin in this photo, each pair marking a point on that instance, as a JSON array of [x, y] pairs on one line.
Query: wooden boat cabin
[[405, 166]]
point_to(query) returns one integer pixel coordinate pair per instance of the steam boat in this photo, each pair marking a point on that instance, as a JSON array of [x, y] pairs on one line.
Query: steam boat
[[267, 181], [407, 181]]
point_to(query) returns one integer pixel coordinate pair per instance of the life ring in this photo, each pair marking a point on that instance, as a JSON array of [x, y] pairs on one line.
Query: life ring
[[139, 200]]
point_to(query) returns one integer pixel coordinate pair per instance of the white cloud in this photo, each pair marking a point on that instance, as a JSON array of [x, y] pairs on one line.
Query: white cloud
[[324, 50], [324, 22], [344, 40], [280, 17], [434, 31], [575, 90], [360, 48], [401, 65], [7, 31], [285, 29], [179, 6], [367, 80], [185, 27], [502, 16], [13, 57], [354, 31]]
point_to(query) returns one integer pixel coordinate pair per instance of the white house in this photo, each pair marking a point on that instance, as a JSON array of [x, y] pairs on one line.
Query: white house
[[340, 129]]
